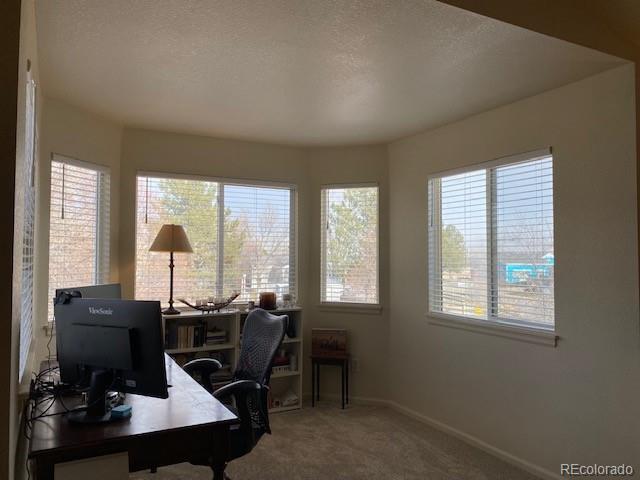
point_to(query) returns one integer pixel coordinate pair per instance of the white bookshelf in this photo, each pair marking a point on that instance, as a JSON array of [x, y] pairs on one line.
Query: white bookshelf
[[282, 383], [292, 373]]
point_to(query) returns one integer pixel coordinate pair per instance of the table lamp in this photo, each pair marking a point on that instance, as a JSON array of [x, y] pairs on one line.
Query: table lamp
[[171, 238]]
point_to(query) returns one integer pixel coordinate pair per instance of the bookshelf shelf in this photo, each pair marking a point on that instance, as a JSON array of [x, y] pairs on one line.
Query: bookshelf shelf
[[293, 373], [232, 321], [205, 348]]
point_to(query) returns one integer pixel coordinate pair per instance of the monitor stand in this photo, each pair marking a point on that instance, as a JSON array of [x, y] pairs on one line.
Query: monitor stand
[[97, 409]]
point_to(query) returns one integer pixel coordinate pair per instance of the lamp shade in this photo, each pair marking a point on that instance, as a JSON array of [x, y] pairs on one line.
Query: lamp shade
[[171, 238]]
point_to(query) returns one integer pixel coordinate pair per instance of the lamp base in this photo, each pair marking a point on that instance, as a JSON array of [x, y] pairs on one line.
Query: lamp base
[[170, 311]]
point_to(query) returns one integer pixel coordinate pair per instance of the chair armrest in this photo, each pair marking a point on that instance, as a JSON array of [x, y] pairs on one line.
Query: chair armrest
[[239, 387], [203, 367]]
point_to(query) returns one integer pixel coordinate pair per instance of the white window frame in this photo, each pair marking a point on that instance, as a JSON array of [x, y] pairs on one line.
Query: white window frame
[[222, 181], [494, 324], [349, 306], [102, 256]]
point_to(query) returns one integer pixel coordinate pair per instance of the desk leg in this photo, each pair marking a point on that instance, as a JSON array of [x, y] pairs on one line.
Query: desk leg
[[313, 384], [342, 383], [220, 452], [318, 381]]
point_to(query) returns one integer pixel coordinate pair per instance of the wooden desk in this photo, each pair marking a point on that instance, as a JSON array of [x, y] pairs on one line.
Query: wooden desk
[[189, 424], [342, 362]]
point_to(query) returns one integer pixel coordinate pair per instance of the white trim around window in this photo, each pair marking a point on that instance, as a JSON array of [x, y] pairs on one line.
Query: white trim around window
[[535, 335], [486, 215], [356, 303]]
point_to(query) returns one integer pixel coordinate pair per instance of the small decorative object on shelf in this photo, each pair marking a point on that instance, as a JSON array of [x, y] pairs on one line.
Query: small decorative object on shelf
[[212, 305], [287, 300], [268, 300]]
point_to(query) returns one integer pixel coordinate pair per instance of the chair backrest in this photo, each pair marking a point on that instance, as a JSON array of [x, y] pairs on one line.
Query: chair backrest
[[261, 336]]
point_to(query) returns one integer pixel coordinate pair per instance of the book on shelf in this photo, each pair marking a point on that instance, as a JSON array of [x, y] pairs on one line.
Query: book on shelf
[[215, 337], [280, 360], [186, 336], [281, 369]]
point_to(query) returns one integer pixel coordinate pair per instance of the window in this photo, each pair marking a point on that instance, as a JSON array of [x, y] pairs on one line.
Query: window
[[349, 244], [79, 225], [28, 227], [491, 242], [243, 238]]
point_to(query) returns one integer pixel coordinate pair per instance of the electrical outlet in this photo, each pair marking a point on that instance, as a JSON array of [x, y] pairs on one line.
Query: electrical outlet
[[355, 365]]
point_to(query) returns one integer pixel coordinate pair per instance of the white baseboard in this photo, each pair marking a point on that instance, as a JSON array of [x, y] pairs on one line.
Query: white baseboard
[[476, 442], [334, 397], [465, 437]]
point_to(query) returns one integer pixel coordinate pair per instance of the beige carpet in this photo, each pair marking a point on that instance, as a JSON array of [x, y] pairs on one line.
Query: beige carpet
[[359, 443]]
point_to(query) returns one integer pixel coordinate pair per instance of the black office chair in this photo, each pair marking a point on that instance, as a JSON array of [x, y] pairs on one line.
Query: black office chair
[[261, 336]]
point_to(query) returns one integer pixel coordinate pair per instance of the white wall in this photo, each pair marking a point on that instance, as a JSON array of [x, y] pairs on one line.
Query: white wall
[[367, 330], [78, 134], [579, 402]]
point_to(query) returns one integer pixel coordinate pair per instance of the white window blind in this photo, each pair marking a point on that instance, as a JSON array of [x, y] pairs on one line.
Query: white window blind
[[79, 225], [28, 228], [349, 225], [491, 251], [194, 205], [259, 240], [242, 236]]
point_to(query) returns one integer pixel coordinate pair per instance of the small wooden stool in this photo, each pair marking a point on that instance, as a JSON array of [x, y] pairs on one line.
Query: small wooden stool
[[342, 362]]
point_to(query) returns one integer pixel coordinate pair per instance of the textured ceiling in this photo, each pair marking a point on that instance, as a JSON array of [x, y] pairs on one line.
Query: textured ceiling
[[297, 72]]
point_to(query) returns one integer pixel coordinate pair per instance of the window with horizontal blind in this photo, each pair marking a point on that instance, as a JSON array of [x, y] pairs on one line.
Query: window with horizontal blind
[[349, 244], [491, 254], [78, 225], [242, 236], [28, 227]]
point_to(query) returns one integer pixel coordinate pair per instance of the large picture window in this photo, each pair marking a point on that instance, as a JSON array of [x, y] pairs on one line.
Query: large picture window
[[349, 227], [491, 251], [242, 236], [78, 225]]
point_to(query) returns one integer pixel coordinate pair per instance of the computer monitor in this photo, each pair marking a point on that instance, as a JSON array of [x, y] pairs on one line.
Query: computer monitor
[[110, 345], [106, 290]]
